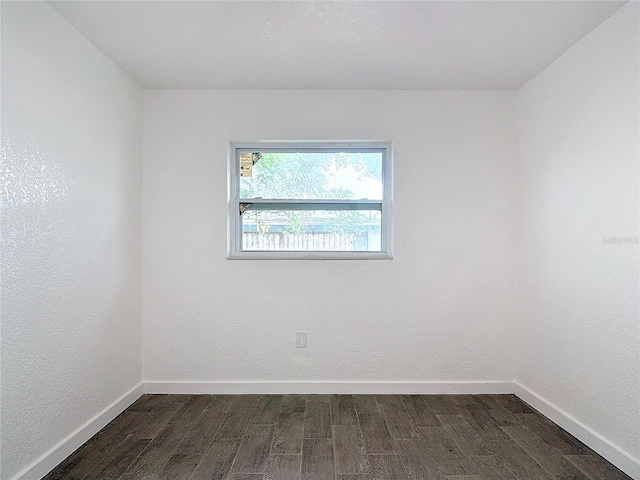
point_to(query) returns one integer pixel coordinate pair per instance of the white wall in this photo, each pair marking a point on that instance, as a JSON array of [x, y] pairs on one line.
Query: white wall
[[579, 343], [71, 228], [441, 310]]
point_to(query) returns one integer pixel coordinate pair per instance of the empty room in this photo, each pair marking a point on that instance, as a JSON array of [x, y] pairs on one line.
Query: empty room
[[320, 240]]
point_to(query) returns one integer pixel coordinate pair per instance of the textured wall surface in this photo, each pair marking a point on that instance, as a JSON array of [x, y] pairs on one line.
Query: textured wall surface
[[441, 310], [579, 346], [71, 227], [444, 309]]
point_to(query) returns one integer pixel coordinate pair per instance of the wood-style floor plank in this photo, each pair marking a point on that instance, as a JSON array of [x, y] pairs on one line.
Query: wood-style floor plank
[[223, 403], [377, 439], [483, 423], [343, 410], [317, 398], [115, 464], [501, 415], [200, 436], [366, 403], [190, 411], [419, 411], [545, 455], [268, 410], [386, 467], [217, 460], [179, 398], [250, 400], [293, 404], [254, 451], [180, 465], [518, 461], [283, 467], [245, 476], [317, 420], [440, 404], [146, 403], [553, 434], [433, 456], [155, 455], [317, 459], [288, 434], [415, 458], [512, 403], [350, 454], [596, 468], [235, 423], [465, 437], [399, 423], [464, 401], [158, 418], [508, 461]]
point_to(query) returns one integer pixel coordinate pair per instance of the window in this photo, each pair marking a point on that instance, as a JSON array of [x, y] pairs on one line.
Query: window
[[310, 201]]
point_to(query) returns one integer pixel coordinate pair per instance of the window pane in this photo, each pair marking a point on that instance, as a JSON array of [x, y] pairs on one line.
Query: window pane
[[324, 175], [312, 230]]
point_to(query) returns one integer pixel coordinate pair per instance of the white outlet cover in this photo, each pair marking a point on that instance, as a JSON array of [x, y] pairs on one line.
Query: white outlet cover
[[301, 339]]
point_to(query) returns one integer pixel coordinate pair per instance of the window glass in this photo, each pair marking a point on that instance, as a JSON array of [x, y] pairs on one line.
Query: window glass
[[307, 175], [312, 230]]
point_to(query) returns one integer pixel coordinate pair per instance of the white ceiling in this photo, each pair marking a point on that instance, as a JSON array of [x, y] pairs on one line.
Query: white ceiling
[[444, 45]]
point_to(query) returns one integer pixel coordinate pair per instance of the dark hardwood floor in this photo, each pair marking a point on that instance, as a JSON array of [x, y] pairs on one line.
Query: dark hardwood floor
[[337, 437]]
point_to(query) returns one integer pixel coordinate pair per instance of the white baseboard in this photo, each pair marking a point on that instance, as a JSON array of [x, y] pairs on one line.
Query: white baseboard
[[328, 387], [593, 440], [66, 447]]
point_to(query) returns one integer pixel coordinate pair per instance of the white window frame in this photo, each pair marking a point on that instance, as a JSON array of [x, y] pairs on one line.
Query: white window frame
[[234, 233]]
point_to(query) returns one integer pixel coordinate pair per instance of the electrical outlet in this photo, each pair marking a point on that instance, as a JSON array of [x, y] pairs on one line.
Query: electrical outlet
[[301, 339]]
